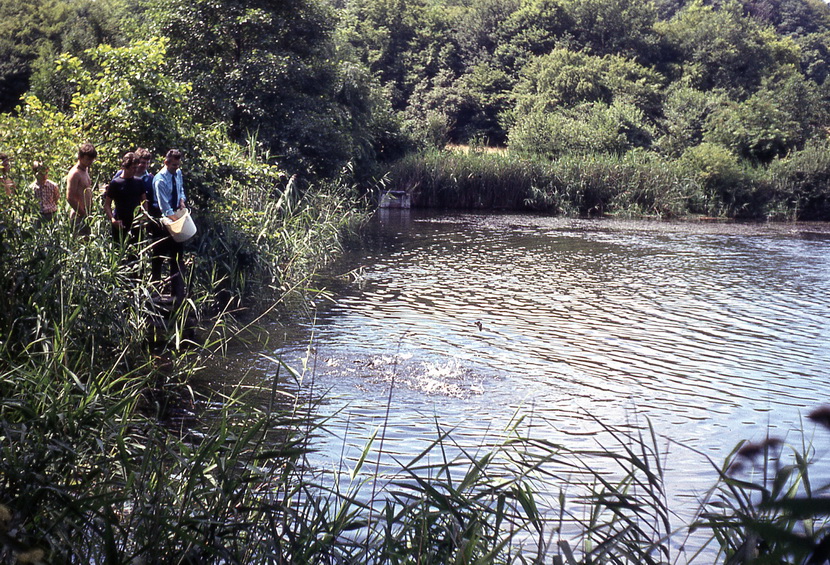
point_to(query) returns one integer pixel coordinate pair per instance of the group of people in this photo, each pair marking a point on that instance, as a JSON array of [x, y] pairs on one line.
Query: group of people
[[132, 190]]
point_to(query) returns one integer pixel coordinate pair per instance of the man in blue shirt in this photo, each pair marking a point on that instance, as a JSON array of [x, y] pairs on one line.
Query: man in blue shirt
[[168, 196], [168, 187]]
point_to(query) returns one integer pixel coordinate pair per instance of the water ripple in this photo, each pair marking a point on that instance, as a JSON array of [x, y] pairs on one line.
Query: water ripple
[[716, 333], [681, 319]]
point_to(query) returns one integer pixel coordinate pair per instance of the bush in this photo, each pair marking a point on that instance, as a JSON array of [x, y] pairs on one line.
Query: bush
[[586, 128], [720, 177], [64, 293], [801, 182]]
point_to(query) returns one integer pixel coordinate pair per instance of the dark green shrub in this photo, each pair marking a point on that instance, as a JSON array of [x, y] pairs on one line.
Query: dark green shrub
[[720, 177], [801, 182]]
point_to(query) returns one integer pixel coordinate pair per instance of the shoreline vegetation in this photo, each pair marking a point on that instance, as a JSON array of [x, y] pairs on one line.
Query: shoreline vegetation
[[109, 455], [635, 184]]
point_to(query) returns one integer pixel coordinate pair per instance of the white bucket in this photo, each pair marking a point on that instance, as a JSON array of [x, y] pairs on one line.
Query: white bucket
[[181, 229]]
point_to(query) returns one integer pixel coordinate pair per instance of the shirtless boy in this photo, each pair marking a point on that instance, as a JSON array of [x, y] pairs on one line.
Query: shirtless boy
[[79, 188]]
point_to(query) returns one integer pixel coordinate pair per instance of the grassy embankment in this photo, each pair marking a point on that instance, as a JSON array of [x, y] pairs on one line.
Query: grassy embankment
[[707, 181]]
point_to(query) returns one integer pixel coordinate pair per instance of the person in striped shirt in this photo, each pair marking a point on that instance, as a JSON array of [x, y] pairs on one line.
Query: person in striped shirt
[[47, 194]]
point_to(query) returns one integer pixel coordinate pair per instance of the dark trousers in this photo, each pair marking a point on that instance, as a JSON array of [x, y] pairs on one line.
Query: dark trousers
[[127, 239], [165, 247]]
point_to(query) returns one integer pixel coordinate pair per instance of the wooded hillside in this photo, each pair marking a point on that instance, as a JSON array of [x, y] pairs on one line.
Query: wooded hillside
[[324, 83]]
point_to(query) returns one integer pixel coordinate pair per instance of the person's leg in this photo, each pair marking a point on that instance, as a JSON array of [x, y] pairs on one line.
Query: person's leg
[[81, 226], [177, 271], [157, 253]]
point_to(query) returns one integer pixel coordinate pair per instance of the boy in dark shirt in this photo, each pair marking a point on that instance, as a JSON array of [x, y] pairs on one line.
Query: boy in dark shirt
[[127, 192]]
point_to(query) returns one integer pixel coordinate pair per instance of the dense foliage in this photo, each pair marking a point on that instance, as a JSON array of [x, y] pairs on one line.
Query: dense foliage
[[323, 83], [742, 79], [36, 32], [435, 54], [92, 469]]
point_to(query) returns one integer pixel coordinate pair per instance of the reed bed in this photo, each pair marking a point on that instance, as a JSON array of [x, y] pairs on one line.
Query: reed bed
[[705, 181], [104, 457], [117, 466]]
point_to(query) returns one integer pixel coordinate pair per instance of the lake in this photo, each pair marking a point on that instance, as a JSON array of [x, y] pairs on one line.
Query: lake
[[713, 332]]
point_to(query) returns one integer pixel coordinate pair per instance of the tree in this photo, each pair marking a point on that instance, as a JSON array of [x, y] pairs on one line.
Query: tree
[[567, 101], [36, 31], [686, 111], [723, 48], [590, 127], [403, 43], [535, 28], [379, 34], [815, 55], [264, 68], [489, 88], [620, 27], [123, 97], [478, 30], [778, 118], [25, 29], [566, 78], [793, 18]]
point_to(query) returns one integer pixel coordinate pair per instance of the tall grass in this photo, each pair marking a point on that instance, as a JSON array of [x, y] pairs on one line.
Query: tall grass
[[95, 465], [65, 295], [93, 470], [766, 506], [88, 478], [705, 181], [263, 233]]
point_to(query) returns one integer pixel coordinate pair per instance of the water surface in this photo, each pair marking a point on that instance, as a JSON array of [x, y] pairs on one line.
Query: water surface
[[712, 332]]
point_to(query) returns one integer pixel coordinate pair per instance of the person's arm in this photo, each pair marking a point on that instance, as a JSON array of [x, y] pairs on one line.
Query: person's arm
[[108, 211]]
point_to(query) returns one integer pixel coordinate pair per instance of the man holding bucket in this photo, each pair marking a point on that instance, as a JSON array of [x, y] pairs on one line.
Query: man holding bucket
[[168, 198]]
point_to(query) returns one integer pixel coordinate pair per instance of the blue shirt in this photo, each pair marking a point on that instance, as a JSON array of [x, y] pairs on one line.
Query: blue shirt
[[163, 191]]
